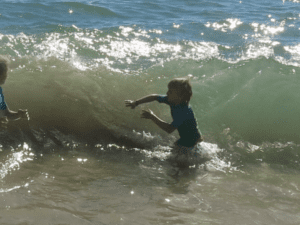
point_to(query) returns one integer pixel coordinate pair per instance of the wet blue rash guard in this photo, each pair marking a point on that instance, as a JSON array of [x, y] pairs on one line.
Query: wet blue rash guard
[[2, 104], [184, 121]]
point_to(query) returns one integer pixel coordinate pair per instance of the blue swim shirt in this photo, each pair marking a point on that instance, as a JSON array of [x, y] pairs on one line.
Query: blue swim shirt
[[184, 121], [2, 104]]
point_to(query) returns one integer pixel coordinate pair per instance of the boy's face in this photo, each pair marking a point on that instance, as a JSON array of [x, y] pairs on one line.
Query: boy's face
[[174, 96]]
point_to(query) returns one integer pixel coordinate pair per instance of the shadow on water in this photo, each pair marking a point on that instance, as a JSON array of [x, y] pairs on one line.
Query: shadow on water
[[54, 137], [124, 159]]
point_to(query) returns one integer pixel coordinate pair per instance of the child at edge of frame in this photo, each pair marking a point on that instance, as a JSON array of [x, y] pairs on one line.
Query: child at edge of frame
[[178, 97], [5, 113]]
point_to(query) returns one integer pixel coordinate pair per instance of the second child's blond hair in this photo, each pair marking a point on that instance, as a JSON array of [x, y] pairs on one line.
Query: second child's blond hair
[[184, 86]]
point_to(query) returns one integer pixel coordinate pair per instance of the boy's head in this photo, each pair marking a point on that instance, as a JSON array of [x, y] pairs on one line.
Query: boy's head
[[180, 90], [3, 69]]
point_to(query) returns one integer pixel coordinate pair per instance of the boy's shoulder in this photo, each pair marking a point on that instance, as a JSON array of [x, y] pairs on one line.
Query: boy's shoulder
[[162, 99]]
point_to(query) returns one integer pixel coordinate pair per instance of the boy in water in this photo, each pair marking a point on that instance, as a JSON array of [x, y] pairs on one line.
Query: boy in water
[[5, 113], [178, 98]]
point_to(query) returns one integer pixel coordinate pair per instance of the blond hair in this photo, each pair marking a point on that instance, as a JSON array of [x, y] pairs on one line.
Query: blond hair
[[184, 86]]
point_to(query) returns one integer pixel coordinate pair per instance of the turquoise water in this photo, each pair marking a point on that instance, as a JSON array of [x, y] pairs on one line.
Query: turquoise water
[[83, 158]]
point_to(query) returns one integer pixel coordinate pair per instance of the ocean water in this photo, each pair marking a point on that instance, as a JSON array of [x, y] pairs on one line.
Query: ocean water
[[84, 158]]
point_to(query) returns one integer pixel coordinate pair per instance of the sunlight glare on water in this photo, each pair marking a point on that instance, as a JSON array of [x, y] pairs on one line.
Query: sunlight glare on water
[[85, 158], [13, 162]]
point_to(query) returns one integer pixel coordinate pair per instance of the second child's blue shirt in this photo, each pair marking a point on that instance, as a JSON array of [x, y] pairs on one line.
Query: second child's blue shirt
[[184, 121], [2, 104]]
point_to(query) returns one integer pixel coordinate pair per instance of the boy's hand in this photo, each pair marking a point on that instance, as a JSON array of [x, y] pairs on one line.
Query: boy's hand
[[147, 114], [3, 122], [130, 103], [23, 114]]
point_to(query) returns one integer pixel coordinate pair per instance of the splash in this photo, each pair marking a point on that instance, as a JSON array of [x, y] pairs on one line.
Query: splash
[[13, 162]]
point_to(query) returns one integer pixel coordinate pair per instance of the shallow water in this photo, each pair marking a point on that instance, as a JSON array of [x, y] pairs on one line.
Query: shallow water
[[121, 186]]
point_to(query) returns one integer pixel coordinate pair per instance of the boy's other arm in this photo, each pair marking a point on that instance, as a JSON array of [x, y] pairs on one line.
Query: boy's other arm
[[159, 122], [148, 98]]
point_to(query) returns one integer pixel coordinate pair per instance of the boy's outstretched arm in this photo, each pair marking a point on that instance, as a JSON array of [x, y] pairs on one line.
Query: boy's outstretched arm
[[162, 124], [148, 98]]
